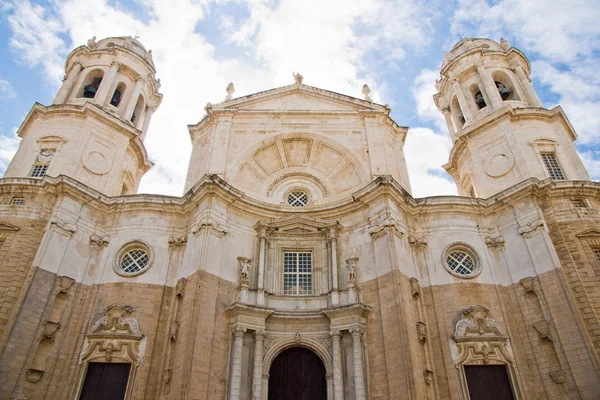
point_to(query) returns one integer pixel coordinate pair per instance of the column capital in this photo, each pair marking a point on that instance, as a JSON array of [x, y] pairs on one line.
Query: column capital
[[446, 110], [116, 64], [356, 331], [335, 333], [259, 334], [140, 80], [238, 331]]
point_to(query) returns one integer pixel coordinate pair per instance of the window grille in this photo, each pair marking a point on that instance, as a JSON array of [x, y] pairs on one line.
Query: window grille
[[39, 170], [134, 261], [17, 201], [297, 199], [578, 203], [297, 273], [552, 166], [597, 254], [461, 262]]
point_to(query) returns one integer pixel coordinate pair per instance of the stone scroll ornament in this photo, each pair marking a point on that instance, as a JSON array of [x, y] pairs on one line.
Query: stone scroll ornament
[[116, 337], [480, 340]]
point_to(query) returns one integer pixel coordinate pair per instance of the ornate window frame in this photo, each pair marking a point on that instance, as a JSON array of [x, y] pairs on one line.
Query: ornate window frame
[[114, 338], [127, 248], [468, 249], [479, 340], [545, 145]]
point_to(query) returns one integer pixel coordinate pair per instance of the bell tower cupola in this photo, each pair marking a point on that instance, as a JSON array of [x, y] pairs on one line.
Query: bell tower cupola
[[94, 130], [501, 133], [118, 75]]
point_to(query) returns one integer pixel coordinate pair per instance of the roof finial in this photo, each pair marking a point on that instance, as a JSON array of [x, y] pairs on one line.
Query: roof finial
[[366, 90], [298, 78], [230, 90], [504, 44]]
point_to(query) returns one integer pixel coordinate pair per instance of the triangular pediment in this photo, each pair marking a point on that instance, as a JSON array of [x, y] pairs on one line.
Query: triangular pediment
[[8, 227], [298, 98], [590, 233], [296, 224]]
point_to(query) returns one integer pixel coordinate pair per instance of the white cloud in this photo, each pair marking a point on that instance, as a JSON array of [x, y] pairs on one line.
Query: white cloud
[[425, 153], [591, 159], [35, 39], [556, 29], [7, 91], [316, 38], [8, 148], [423, 91]]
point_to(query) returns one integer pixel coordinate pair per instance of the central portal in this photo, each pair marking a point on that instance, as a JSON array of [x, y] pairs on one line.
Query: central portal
[[297, 374]]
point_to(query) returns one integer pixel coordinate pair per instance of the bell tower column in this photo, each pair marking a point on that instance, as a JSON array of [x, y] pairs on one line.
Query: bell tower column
[[107, 83], [462, 101], [527, 85], [139, 82], [489, 86], [68, 83]]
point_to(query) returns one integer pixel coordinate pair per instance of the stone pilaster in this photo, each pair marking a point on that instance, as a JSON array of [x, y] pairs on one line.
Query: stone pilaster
[[359, 378], [338, 388], [236, 366], [67, 85], [257, 373]]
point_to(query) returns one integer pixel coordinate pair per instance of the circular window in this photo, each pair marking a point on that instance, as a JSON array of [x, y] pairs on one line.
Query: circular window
[[297, 198], [133, 259], [461, 261]]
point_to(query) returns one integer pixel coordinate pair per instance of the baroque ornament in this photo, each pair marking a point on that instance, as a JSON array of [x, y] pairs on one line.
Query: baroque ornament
[[480, 340]]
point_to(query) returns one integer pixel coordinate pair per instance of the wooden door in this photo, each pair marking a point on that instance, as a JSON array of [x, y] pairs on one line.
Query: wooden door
[[105, 381], [488, 382], [297, 374]]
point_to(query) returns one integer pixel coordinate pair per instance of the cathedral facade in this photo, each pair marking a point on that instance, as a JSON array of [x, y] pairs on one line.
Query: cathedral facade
[[297, 265]]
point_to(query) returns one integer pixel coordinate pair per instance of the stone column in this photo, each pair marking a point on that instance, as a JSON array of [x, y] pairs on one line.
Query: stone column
[[260, 299], [534, 99], [334, 268], [489, 86], [107, 82], [67, 85], [448, 117], [137, 89], [147, 115], [462, 101], [359, 378], [257, 373], [236, 366], [338, 389]]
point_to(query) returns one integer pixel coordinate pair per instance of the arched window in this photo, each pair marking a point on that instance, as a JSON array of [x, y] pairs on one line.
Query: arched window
[[90, 85], [478, 96], [506, 88], [137, 112], [118, 94]]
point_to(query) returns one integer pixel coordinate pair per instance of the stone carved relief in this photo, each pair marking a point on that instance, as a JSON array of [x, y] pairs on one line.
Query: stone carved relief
[[208, 222], [532, 228], [63, 226], [417, 242], [422, 331], [180, 287], [415, 288], [480, 339], [115, 337], [99, 241], [383, 222], [496, 242], [177, 241]]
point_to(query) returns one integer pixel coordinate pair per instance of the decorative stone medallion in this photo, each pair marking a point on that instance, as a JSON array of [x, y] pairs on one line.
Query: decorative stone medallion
[[498, 165], [96, 162]]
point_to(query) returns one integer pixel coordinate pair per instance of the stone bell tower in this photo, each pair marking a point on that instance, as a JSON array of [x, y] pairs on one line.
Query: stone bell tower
[[94, 130], [501, 132]]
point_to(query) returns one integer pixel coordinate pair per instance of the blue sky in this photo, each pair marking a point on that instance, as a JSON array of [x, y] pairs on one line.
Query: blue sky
[[396, 47]]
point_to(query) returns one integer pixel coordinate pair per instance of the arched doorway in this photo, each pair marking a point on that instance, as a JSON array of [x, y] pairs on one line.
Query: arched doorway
[[297, 374]]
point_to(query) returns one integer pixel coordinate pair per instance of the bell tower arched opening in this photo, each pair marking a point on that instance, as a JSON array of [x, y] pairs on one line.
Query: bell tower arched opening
[[297, 374]]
